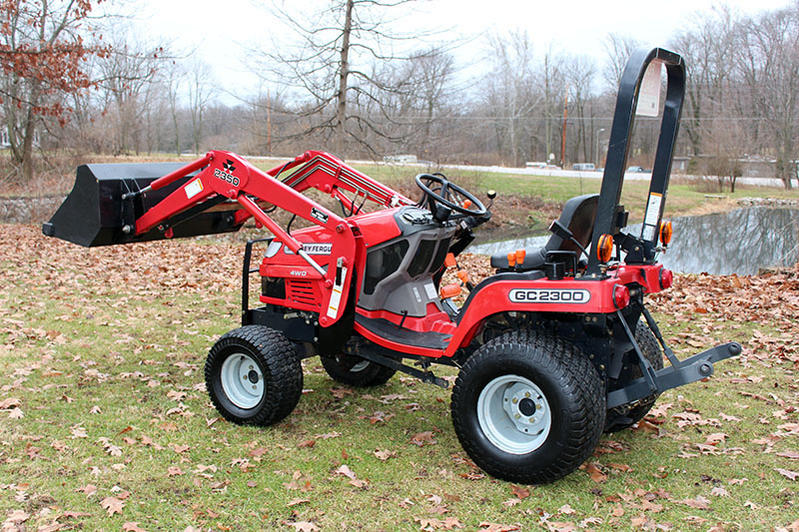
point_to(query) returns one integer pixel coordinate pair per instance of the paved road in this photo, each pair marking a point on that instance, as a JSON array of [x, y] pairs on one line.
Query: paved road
[[633, 176]]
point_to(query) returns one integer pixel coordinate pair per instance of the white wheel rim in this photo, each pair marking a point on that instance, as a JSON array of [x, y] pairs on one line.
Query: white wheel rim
[[514, 414], [242, 381]]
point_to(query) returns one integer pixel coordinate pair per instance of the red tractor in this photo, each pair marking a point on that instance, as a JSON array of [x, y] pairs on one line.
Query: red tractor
[[553, 349]]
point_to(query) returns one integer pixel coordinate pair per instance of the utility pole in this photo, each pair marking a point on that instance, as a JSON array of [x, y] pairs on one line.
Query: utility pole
[[563, 130], [597, 158], [268, 123]]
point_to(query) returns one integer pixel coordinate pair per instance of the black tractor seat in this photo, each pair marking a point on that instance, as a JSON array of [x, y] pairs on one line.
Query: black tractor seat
[[578, 215]]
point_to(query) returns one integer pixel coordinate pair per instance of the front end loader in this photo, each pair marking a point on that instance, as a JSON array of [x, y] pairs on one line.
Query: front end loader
[[554, 349]]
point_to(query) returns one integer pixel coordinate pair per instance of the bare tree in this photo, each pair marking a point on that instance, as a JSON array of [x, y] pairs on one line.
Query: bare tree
[[579, 74], [709, 49], [173, 82], [768, 62], [331, 64], [127, 76], [413, 99], [509, 91], [42, 56], [619, 48], [551, 78], [200, 93], [429, 74]]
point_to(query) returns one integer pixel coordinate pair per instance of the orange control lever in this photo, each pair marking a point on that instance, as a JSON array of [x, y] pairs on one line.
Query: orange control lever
[[511, 260], [450, 290]]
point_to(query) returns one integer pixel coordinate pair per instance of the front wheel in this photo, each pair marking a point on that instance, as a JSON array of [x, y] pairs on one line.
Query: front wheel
[[528, 407], [254, 376]]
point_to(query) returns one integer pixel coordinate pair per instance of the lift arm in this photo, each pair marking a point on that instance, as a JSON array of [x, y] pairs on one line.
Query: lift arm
[[225, 174]]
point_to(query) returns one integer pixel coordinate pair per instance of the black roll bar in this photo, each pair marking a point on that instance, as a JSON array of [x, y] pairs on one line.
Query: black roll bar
[[619, 146]]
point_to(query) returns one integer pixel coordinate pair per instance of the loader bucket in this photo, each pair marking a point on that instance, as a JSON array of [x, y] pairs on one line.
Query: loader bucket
[[94, 213]]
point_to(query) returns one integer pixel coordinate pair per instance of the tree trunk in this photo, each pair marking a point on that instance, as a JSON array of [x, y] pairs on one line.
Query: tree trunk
[[788, 166], [177, 131], [27, 148], [341, 97]]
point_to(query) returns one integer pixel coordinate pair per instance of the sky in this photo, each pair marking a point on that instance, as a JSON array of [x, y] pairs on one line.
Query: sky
[[218, 33]]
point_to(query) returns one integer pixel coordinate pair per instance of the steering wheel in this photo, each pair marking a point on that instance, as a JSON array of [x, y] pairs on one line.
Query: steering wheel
[[441, 192]]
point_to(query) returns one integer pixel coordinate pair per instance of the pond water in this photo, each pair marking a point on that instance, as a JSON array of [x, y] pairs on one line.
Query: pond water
[[740, 241]]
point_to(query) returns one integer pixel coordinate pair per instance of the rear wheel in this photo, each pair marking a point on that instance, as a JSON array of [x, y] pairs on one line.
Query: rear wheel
[[625, 416], [355, 371], [528, 407], [254, 376]]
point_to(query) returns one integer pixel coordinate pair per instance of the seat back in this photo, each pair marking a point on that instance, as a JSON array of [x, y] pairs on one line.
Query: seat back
[[578, 216]]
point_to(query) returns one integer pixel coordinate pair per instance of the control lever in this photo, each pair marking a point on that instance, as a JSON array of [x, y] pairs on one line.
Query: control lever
[[491, 195], [562, 231]]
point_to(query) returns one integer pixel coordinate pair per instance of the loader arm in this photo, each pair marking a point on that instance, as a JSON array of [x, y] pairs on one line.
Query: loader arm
[[117, 204], [226, 175], [322, 171]]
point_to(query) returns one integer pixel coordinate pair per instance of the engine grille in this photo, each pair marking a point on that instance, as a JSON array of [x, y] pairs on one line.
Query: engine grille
[[302, 292]]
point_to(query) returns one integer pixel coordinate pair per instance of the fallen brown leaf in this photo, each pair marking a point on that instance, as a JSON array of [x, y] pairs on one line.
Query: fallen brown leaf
[[11, 402], [385, 455], [88, 489], [295, 502], [423, 438], [596, 474], [792, 475], [698, 502], [303, 526], [486, 526], [112, 505], [521, 493]]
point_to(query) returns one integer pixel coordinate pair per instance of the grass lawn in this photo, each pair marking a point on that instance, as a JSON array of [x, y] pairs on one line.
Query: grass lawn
[[105, 423]]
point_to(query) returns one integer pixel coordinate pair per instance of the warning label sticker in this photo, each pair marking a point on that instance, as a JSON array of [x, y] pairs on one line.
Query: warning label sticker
[[651, 217], [649, 94], [194, 188], [335, 297]]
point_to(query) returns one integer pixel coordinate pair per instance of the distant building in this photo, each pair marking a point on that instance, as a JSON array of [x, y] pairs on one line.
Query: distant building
[[751, 165], [401, 159], [4, 141]]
